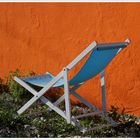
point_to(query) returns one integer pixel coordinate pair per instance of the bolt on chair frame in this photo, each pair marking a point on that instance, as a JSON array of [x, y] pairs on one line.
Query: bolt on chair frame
[[67, 91]]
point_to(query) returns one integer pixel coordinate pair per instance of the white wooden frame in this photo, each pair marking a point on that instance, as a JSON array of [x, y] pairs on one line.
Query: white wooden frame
[[67, 91]]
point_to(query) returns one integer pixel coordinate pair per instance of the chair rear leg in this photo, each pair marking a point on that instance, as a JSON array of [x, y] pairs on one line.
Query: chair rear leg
[[67, 96], [103, 87]]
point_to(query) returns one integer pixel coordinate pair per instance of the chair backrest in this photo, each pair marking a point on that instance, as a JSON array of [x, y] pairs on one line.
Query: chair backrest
[[99, 58]]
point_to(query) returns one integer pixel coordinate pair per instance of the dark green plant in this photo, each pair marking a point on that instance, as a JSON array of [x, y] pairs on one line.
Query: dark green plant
[[3, 86], [114, 113], [37, 121], [18, 92]]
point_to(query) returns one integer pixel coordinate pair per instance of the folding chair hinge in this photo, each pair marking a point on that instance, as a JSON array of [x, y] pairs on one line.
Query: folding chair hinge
[[66, 69]]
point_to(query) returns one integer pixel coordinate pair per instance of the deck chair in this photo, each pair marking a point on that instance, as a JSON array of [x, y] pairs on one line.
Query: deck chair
[[100, 55]]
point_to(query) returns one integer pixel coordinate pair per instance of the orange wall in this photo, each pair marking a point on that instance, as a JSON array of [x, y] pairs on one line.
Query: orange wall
[[47, 36]]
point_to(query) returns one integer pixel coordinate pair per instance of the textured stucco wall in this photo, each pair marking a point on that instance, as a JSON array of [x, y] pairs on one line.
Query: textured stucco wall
[[47, 36]]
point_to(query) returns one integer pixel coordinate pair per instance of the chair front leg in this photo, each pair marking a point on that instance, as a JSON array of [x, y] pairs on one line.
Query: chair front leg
[[67, 95], [40, 93]]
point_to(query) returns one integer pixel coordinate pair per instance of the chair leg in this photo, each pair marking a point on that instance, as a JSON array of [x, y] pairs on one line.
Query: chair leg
[[103, 86], [40, 93], [67, 96], [84, 101], [42, 98]]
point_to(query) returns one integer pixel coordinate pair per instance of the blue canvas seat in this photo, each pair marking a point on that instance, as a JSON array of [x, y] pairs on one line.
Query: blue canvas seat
[[42, 80], [97, 61], [100, 56]]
